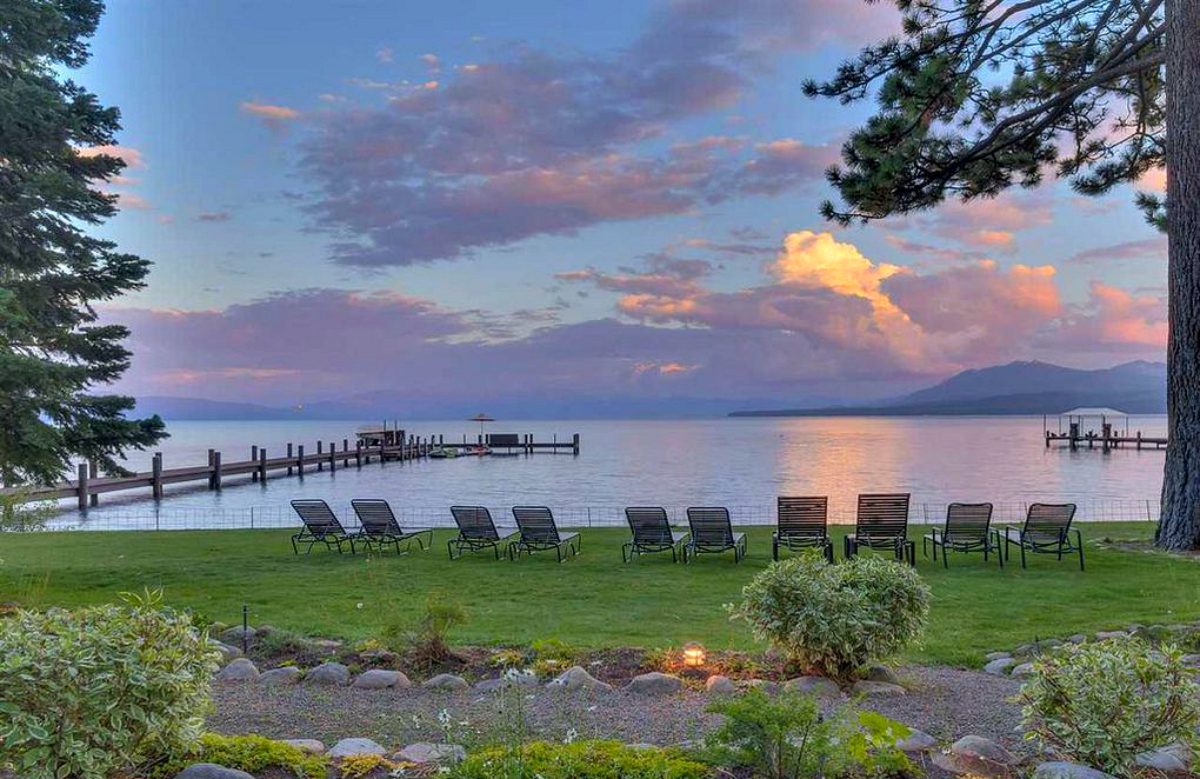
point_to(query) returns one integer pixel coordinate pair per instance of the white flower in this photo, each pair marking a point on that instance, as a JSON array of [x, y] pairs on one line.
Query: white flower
[[572, 734], [358, 605], [444, 718]]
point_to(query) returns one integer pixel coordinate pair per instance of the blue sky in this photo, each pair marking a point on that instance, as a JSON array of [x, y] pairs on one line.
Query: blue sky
[[492, 179]]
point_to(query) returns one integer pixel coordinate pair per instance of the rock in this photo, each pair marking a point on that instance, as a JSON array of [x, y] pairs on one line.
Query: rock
[[916, 741], [654, 683], [355, 746], [1048, 643], [1104, 635], [265, 630], [446, 682], [1023, 670], [377, 679], [978, 756], [990, 656], [234, 635], [425, 752], [228, 652], [326, 645], [576, 678], [334, 674], [720, 685], [211, 771], [999, 666], [239, 670], [380, 656], [281, 676], [308, 745], [512, 679], [1078, 638], [1173, 759], [814, 685], [874, 689], [1023, 650], [880, 673], [1067, 771]]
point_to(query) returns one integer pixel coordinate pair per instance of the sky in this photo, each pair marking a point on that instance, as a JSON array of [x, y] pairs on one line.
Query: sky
[[554, 201]]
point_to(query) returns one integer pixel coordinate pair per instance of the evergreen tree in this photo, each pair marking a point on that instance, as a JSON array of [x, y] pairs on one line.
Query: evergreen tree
[[53, 354], [976, 96]]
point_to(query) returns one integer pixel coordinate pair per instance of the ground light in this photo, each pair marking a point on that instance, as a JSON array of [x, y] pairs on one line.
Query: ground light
[[693, 655]]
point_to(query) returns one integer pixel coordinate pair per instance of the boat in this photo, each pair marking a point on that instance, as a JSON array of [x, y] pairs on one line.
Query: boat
[[443, 453], [478, 451]]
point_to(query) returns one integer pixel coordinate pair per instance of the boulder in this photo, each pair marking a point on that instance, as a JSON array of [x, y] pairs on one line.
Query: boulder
[[1058, 770], [654, 683], [813, 685], [510, 679], [234, 635], [334, 674], [355, 746], [978, 756], [1104, 635], [281, 676], [378, 679], [446, 682], [265, 630], [916, 741], [1023, 650], [720, 685], [1023, 670], [308, 745], [239, 670], [990, 656], [1173, 759], [1048, 643], [425, 752], [211, 771], [876, 689], [576, 678], [1078, 638], [228, 652], [880, 673], [999, 666]]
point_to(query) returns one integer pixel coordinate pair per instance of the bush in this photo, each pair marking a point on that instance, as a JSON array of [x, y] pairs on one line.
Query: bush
[[786, 737], [252, 754], [834, 619], [424, 642], [87, 692], [578, 760], [1104, 703]]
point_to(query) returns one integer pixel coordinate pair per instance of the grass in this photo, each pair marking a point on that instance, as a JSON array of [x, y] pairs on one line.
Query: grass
[[592, 601]]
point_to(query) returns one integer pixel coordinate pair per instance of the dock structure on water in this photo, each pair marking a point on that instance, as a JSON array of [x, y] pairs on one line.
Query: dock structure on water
[[1080, 431], [380, 445]]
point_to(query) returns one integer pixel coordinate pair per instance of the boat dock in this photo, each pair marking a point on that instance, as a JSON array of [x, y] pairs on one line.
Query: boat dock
[[380, 445], [1108, 436]]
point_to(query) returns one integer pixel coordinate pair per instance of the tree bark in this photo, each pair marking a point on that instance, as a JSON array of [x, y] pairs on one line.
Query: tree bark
[[1179, 527]]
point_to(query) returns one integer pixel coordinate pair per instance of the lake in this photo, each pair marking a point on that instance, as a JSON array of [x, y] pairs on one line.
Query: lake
[[742, 463]]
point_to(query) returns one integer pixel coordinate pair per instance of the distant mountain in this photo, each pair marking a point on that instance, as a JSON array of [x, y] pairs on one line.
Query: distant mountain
[[171, 408], [1019, 388]]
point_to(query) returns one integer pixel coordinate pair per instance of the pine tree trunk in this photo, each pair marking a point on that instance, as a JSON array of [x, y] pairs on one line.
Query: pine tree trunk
[[1180, 524]]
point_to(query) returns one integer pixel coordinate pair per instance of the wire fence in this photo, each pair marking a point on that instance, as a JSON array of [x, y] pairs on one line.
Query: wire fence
[[282, 516]]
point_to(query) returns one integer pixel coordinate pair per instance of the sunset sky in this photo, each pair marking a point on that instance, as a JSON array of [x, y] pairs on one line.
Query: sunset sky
[[556, 200]]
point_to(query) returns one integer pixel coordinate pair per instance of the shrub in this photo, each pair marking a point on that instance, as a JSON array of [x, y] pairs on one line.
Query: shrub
[[551, 656], [786, 737], [1104, 703], [578, 760], [361, 766], [835, 619], [424, 641], [252, 754], [87, 692]]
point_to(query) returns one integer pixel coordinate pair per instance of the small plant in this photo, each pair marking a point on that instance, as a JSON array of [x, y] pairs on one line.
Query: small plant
[[424, 642], [252, 754], [835, 619], [507, 658], [1104, 703], [19, 513], [90, 692], [361, 766], [578, 760], [786, 737], [551, 656]]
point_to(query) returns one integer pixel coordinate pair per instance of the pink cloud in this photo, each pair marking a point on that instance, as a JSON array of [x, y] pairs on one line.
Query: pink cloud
[[1115, 321], [1147, 248], [273, 116]]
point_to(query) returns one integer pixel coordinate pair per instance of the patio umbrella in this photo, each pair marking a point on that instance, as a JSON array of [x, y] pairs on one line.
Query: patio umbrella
[[481, 418]]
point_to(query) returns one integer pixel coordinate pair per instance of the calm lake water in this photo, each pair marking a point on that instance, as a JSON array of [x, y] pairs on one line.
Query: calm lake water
[[740, 463]]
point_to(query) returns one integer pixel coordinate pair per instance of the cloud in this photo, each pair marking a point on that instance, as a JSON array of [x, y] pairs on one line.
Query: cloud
[[1114, 321], [1148, 248], [929, 252], [213, 216], [134, 201], [132, 157], [273, 116], [989, 223]]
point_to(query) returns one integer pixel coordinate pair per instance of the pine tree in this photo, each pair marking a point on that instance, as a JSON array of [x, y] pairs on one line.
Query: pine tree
[[53, 353], [975, 97]]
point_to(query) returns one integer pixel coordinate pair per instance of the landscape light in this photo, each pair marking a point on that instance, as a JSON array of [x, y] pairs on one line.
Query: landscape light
[[693, 655]]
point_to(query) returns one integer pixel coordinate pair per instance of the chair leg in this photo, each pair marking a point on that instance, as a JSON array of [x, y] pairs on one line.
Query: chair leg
[[945, 556], [775, 550], [1079, 543], [1023, 555]]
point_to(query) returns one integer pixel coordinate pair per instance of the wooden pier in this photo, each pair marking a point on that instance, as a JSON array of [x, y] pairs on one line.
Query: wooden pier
[[383, 445], [1105, 439]]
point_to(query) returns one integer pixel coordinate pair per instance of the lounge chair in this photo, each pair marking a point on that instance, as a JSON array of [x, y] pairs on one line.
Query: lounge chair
[[712, 533], [802, 522], [968, 527], [1047, 530], [651, 533], [540, 534], [321, 526], [380, 528], [882, 523], [477, 531]]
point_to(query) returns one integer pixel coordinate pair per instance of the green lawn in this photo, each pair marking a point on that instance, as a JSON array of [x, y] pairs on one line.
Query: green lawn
[[594, 600]]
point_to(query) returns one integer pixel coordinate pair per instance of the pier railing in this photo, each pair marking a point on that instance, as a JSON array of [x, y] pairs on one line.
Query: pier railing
[[573, 516]]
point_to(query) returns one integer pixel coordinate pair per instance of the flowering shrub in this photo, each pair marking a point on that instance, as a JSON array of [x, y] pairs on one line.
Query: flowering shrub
[[578, 760], [87, 692], [1104, 703], [835, 619]]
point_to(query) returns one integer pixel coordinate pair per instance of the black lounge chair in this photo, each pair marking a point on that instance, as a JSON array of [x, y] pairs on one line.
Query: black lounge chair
[[802, 522], [712, 533], [321, 526], [476, 531], [380, 528], [882, 523], [1047, 531], [540, 534], [968, 527], [651, 533]]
